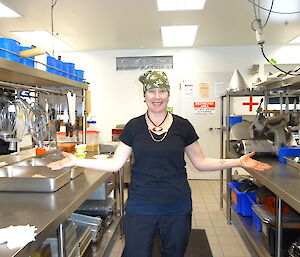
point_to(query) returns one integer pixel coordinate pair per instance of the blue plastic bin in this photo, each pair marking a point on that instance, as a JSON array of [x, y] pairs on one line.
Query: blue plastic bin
[[59, 66], [240, 200], [256, 221], [235, 119], [51, 61], [70, 68], [290, 151], [12, 46], [79, 75], [25, 61]]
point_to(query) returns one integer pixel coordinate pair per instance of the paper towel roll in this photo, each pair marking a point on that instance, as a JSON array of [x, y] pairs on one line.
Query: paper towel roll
[[32, 52]]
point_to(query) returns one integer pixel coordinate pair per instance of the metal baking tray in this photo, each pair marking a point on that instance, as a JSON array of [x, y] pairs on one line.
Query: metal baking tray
[[76, 171], [290, 161], [43, 160], [17, 178]]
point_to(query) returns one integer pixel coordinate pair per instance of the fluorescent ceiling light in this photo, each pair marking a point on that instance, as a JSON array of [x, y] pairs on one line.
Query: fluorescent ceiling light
[[6, 12], [178, 35], [296, 40], [42, 38], [180, 5]]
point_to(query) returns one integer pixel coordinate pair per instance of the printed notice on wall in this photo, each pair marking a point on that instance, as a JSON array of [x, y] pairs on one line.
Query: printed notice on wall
[[205, 108], [188, 90], [220, 89], [203, 89]]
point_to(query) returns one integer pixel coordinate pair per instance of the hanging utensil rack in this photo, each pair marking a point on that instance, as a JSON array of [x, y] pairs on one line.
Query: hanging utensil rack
[[16, 76]]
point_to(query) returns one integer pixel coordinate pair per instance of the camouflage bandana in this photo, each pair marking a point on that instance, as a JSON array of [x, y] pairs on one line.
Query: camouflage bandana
[[154, 79]]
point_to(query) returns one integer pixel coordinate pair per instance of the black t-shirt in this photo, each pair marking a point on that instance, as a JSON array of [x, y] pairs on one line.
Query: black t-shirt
[[158, 173]]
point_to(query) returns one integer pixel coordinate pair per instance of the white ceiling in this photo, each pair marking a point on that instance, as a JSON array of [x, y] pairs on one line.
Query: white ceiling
[[133, 24]]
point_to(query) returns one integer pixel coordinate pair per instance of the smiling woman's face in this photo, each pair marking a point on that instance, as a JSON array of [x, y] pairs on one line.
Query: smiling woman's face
[[157, 99]]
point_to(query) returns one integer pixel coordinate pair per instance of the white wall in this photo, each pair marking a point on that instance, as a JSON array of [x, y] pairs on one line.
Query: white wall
[[117, 95]]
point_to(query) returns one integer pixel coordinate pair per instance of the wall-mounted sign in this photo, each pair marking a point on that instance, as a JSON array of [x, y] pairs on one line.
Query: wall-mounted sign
[[204, 90], [205, 108]]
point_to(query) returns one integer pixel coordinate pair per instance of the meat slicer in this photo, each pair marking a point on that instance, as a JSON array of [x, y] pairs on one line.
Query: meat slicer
[[266, 134]]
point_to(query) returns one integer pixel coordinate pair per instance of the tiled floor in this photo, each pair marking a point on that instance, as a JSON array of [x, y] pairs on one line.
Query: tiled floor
[[224, 239]]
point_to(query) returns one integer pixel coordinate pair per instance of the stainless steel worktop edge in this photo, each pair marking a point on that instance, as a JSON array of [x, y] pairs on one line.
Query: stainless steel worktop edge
[[282, 179], [45, 210]]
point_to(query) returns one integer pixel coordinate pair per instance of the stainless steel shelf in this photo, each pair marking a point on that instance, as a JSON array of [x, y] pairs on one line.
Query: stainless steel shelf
[[18, 73], [108, 238], [46, 211], [292, 83], [255, 237]]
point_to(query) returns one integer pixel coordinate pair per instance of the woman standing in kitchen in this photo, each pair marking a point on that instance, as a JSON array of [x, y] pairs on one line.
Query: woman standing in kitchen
[[159, 196]]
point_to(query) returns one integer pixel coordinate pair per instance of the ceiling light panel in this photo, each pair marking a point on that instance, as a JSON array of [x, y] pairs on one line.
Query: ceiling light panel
[[178, 35], [42, 38], [180, 5], [6, 12]]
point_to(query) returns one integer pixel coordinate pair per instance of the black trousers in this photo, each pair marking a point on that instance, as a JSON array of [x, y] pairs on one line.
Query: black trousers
[[140, 232]]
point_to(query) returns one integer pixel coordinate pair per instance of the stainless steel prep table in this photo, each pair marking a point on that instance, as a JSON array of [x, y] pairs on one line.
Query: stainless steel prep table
[[284, 181], [46, 211]]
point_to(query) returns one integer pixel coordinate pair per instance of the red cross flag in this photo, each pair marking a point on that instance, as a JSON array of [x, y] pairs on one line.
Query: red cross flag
[[250, 103]]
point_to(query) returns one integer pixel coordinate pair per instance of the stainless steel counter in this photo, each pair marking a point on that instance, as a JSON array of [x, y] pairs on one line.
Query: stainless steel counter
[[46, 211], [282, 179], [17, 157]]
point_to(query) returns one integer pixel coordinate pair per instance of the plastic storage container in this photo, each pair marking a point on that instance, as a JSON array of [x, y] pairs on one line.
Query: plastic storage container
[[92, 140], [11, 45], [290, 151], [69, 68], [26, 61], [79, 75], [235, 119], [256, 221], [51, 61], [66, 143], [240, 200]]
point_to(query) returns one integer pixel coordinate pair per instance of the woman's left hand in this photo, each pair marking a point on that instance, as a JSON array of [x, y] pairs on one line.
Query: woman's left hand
[[248, 162]]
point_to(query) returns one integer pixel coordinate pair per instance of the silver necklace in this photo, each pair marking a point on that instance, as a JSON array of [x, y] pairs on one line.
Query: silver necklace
[[157, 140]]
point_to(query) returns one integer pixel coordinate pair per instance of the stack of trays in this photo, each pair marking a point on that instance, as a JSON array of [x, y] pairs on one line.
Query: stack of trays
[[93, 223], [105, 209]]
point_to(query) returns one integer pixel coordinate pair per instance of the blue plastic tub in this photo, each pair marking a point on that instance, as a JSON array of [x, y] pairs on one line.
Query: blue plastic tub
[[79, 75], [240, 200], [290, 151], [12, 46], [59, 65], [24, 60], [235, 119], [70, 68], [256, 221], [51, 61]]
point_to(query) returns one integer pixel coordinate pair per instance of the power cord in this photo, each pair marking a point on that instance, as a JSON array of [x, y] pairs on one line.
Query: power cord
[[260, 38], [263, 8], [52, 21]]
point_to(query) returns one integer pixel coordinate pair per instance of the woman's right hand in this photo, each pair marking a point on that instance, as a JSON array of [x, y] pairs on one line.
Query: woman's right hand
[[68, 161]]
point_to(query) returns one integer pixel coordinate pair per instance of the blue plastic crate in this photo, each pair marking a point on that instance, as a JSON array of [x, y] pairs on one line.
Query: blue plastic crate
[[256, 221], [240, 200], [234, 119], [290, 151]]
